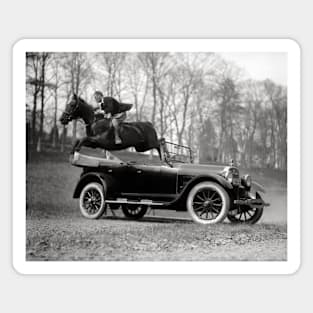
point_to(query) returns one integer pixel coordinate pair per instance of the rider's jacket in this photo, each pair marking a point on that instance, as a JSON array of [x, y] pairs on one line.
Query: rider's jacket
[[111, 106]]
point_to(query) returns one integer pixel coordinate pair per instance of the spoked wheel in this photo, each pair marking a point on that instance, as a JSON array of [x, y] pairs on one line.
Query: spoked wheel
[[134, 211], [92, 201], [245, 215], [208, 203]]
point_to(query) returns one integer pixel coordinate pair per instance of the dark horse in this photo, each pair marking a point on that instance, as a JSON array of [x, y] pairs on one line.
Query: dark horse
[[100, 134]]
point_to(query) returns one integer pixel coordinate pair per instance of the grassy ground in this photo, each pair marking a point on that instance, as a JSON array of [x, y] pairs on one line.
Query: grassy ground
[[56, 230]]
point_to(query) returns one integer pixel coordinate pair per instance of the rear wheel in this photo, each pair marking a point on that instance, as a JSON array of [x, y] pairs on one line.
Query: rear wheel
[[92, 201], [134, 211], [208, 203]]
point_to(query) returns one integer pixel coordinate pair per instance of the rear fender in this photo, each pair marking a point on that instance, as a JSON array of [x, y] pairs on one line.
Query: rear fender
[[92, 177]]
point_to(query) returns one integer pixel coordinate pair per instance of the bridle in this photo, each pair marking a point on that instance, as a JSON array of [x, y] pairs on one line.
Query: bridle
[[70, 114]]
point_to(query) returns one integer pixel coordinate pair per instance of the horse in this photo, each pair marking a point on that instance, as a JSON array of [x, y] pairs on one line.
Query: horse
[[100, 133]]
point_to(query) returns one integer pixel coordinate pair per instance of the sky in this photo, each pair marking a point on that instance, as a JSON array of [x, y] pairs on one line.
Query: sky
[[261, 65]]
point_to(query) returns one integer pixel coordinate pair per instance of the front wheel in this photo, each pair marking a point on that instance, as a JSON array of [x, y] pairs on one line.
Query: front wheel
[[208, 203], [92, 201], [245, 215]]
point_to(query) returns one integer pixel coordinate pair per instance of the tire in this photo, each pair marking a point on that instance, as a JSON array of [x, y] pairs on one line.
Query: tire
[[245, 215], [208, 198], [92, 201], [134, 211]]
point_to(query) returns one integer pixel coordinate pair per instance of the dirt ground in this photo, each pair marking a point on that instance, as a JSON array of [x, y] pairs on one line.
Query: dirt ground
[[152, 239]]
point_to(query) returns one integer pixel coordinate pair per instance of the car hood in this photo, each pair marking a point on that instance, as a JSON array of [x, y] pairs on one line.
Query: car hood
[[198, 169]]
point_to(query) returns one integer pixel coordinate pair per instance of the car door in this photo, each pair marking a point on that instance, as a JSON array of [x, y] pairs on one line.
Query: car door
[[135, 179], [152, 179]]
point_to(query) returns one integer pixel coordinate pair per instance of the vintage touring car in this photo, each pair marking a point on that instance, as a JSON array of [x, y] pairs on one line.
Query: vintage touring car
[[210, 193]]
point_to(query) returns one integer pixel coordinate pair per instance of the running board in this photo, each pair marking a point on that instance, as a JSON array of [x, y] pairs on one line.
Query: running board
[[125, 201]]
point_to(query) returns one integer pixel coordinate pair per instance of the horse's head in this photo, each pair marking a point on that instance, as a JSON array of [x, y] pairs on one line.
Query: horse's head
[[72, 110]]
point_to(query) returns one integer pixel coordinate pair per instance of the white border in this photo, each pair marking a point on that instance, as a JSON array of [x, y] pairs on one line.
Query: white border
[[136, 45]]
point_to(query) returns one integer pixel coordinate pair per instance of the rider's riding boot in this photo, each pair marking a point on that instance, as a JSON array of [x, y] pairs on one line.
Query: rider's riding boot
[[118, 140]]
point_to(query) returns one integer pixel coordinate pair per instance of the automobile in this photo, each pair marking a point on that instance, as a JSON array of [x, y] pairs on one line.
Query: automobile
[[209, 192]]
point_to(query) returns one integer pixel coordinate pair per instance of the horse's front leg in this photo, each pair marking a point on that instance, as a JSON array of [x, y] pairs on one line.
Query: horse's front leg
[[90, 142], [79, 143]]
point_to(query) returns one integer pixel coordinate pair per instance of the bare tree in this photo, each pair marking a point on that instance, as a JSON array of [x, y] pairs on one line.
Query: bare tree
[[113, 63], [187, 78], [57, 78], [33, 75], [277, 97], [166, 94], [253, 97], [228, 106], [39, 82], [137, 81], [156, 66], [79, 74], [207, 141]]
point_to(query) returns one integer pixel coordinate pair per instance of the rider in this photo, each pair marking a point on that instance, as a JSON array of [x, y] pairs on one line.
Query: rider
[[113, 109]]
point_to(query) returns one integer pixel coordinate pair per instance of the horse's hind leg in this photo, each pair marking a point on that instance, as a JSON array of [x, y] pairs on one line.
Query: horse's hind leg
[[160, 153], [75, 146]]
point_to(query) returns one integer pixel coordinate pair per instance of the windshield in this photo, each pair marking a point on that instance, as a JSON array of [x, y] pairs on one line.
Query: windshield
[[177, 153]]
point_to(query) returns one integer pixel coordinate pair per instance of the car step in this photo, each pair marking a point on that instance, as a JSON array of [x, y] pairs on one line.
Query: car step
[[143, 201]]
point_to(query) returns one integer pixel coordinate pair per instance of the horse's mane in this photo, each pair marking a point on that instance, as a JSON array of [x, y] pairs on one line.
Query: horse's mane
[[80, 99]]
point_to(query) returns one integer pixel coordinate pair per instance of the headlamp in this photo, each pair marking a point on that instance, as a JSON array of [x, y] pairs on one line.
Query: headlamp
[[232, 175], [247, 181]]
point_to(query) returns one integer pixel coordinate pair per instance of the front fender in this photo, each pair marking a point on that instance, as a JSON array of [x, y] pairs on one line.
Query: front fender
[[91, 177], [181, 198], [257, 187], [211, 177]]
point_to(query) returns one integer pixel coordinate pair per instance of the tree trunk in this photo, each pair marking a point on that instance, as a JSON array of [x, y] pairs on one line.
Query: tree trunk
[[42, 84], [63, 138], [54, 135], [34, 116], [42, 105], [154, 98], [136, 107]]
